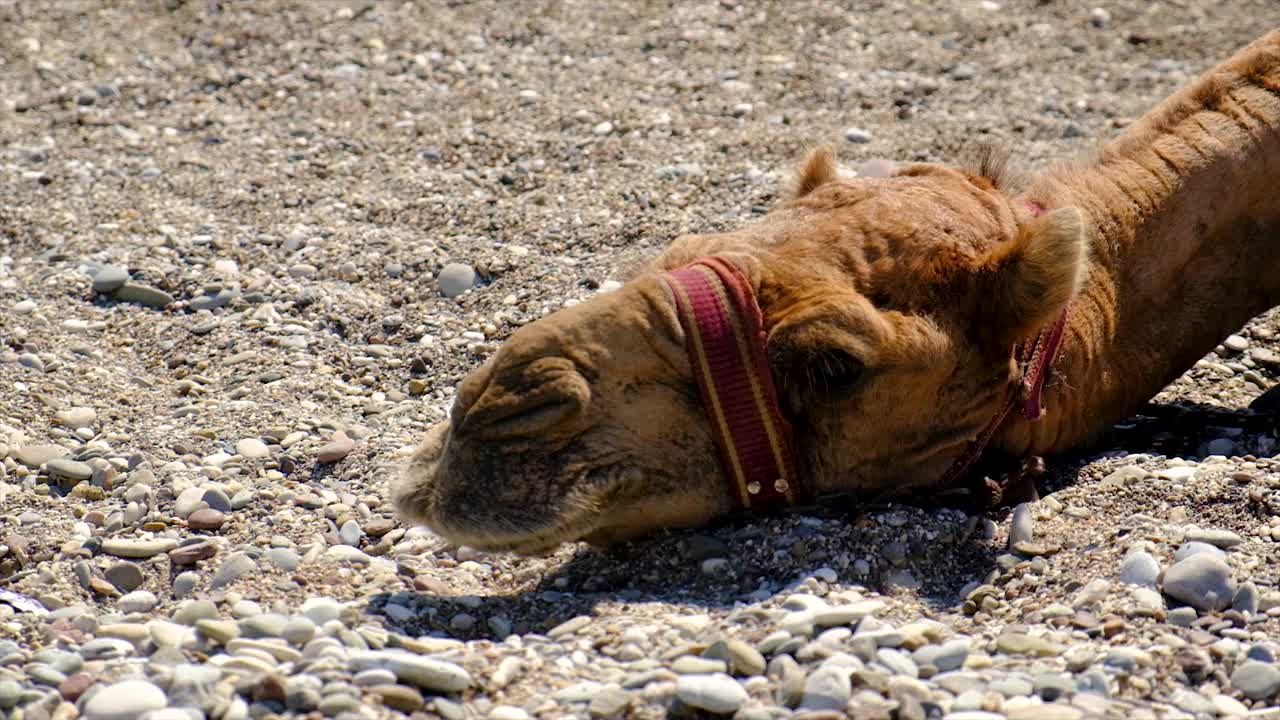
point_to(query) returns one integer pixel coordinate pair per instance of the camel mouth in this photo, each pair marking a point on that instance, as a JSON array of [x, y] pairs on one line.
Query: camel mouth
[[432, 493]]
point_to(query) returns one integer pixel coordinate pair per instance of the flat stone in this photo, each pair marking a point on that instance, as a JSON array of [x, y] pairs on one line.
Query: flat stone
[[125, 576], [1021, 644], [188, 501], [1202, 581], [338, 447], [424, 672], [398, 697], [716, 693], [126, 700], [1218, 538], [33, 456], [1257, 680], [205, 519], [77, 417], [235, 566], [1139, 568], [193, 553], [69, 469], [108, 278], [120, 547], [945, 657], [143, 295]]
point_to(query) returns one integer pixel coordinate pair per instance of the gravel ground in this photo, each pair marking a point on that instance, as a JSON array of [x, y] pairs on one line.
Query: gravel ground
[[247, 250]]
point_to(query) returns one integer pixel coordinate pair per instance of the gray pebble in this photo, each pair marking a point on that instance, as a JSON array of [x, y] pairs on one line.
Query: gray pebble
[[716, 693], [144, 295], [1202, 581], [235, 566], [427, 673], [125, 576], [108, 278], [138, 601], [898, 662], [1217, 538], [1257, 680], [1139, 568], [350, 533], [1246, 599], [31, 360], [1182, 617], [185, 583], [70, 469], [1021, 526], [857, 135], [1194, 548], [945, 657], [284, 557], [828, 688], [455, 279]]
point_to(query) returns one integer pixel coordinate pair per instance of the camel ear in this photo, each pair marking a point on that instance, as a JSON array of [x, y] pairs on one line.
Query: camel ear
[[818, 169], [1036, 274]]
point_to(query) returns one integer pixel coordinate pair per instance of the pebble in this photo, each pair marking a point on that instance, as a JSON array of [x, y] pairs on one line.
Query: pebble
[[125, 576], [1021, 526], [1139, 568], [424, 672], [205, 519], [34, 456], [1218, 538], [1235, 343], [252, 448], [143, 295], [1202, 581], [138, 601], [857, 135], [232, 568], [108, 278], [338, 447], [1188, 549], [717, 693], [455, 279], [138, 549], [1257, 680], [126, 700], [77, 417]]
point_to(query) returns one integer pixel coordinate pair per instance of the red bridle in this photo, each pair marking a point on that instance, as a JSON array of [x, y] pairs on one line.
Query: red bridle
[[726, 340]]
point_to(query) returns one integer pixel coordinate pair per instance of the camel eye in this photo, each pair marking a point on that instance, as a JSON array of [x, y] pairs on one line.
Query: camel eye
[[820, 373], [834, 370]]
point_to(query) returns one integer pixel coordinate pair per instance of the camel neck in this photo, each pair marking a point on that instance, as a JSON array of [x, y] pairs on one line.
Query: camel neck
[[1185, 233]]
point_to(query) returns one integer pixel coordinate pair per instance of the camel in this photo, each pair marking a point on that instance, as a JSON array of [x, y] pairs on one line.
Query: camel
[[873, 335]]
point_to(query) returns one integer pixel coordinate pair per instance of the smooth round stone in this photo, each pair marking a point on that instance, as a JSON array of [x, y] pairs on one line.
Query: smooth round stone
[[125, 576], [192, 612], [1022, 526], [346, 553], [716, 693], [108, 278], [124, 701], [234, 567], [1202, 581], [143, 295], [455, 279], [350, 533], [138, 601], [857, 135], [188, 501], [898, 662], [508, 712], [299, 630], [1012, 686], [185, 583], [33, 456], [264, 626], [1195, 548], [321, 610], [376, 676], [1139, 568], [252, 448], [217, 500], [206, 519], [1246, 599], [1257, 680], [1182, 617], [945, 657], [77, 417], [828, 688], [398, 697], [10, 693], [284, 557]]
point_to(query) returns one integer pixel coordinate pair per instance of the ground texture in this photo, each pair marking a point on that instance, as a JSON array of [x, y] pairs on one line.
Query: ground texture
[[193, 512]]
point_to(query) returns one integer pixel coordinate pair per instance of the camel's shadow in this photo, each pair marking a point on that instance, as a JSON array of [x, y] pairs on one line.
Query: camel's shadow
[[743, 560]]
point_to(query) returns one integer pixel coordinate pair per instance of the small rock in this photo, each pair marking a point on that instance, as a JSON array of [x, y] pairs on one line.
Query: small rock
[[716, 693], [143, 295], [138, 601], [1218, 538], [1201, 581], [338, 447], [1021, 526], [455, 279], [252, 448], [126, 700], [235, 566], [108, 278], [857, 135], [205, 519], [125, 576], [137, 548], [1139, 568], [1257, 680]]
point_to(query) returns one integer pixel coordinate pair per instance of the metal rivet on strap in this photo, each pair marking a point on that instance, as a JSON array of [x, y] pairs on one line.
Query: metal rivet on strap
[[753, 488], [780, 485]]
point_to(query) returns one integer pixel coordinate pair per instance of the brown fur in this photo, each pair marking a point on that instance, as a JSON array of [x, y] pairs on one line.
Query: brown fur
[[892, 303]]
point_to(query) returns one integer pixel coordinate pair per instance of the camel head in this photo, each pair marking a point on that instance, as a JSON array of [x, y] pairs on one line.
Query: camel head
[[891, 305]]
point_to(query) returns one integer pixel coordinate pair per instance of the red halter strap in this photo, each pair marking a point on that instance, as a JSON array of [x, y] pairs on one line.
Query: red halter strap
[[1036, 359], [725, 340]]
